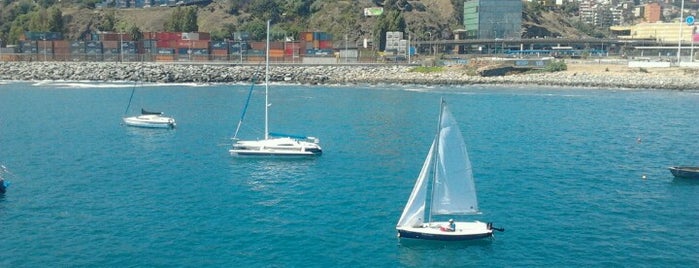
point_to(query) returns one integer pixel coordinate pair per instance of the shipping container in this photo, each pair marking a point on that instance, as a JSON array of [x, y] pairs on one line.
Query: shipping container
[[166, 51], [255, 52], [8, 49], [241, 36], [219, 52], [276, 45], [110, 36], [322, 36], [27, 47], [219, 45], [149, 43], [196, 36], [276, 53], [257, 45], [35, 36], [306, 36], [110, 44], [325, 44], [168, 36]]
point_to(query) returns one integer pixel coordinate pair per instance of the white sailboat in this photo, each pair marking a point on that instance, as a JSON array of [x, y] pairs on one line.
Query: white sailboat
[[273, 144], [445, 188], [147, 119]]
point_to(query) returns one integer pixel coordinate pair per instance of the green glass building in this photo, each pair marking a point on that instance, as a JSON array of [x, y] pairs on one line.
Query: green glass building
[[493, 19]]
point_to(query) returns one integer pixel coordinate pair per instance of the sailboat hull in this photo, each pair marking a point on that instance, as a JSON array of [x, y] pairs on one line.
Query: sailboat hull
[[150, 121], [464, 231]]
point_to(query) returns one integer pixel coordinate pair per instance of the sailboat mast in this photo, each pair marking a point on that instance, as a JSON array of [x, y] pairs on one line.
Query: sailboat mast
[[267, 84], [435, 156], [132, 91]]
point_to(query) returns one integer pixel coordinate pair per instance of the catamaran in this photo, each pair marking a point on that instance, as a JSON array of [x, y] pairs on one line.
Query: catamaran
[[273, 144]]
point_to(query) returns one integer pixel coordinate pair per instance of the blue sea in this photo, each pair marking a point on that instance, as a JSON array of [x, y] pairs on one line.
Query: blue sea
[[578, 177]]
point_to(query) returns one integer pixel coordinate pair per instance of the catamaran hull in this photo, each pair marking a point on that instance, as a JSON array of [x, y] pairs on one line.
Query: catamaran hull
[[241, 153], [279, 147]]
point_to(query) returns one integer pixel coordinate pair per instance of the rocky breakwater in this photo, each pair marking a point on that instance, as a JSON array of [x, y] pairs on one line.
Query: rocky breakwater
[[307, 74]]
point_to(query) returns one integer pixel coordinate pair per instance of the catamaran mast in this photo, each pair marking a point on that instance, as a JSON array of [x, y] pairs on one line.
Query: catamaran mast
[[267, 84]]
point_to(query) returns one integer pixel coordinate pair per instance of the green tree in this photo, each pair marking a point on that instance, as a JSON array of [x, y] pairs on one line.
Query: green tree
[[189, 23], [38, 21], [108, 22], [257, 29], [135, 33], [19, 26], [55, 20], [182, 20], [266, 9]]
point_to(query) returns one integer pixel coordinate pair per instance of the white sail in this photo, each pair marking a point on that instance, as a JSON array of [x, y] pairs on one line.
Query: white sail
[[454, 191], [414, 211]]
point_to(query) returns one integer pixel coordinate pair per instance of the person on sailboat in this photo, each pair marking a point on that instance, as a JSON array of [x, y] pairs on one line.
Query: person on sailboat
[[450, 228]]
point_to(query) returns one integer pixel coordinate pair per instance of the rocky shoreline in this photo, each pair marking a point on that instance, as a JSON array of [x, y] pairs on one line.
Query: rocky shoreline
[[335, 74]]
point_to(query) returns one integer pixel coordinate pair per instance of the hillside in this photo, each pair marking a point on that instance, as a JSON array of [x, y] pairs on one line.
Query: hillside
[[338, 17]]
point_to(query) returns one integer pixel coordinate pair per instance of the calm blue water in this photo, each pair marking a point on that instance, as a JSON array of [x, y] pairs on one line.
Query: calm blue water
[[561, 169]]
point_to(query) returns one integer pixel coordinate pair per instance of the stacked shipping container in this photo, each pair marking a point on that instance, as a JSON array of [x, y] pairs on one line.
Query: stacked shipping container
[[174, 46]]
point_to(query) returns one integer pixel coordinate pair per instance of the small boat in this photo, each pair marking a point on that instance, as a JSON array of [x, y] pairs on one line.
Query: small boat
[[686, 172], [149, 119], [3, 184], [273, 144], [444, 188]]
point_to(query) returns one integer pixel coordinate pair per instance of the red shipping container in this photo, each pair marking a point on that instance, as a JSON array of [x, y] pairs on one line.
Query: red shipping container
[[292, 51], [168, 36], [162, 44], [258, 45], [276, 45], [325, 44]]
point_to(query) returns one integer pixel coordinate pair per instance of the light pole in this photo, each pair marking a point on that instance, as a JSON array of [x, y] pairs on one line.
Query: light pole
[[43, 38], [679, 41], [429, 43]]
